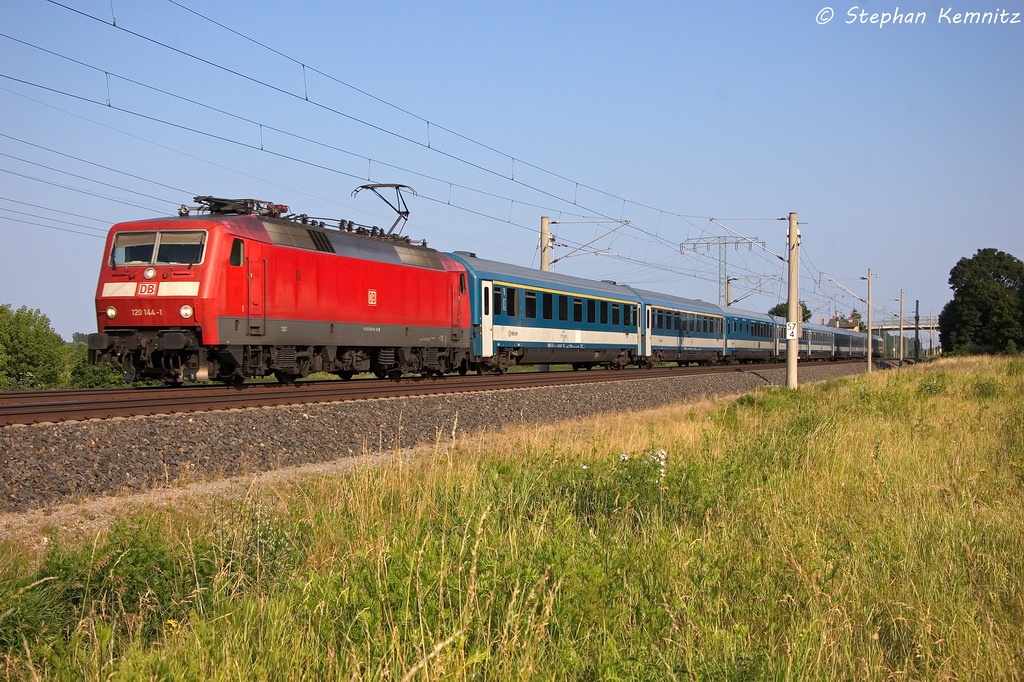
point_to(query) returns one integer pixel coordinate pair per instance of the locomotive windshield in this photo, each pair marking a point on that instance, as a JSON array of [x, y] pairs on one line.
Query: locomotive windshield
[[170, 247]]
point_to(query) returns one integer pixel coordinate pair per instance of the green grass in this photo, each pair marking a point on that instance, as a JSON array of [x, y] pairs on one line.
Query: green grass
[[869, 528]]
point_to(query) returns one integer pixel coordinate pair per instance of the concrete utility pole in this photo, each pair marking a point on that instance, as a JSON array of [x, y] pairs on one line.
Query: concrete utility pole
[[870, 344], [901, 328], [931, 334], [917, 331], [545, 243], [545, 261], [793, 309]]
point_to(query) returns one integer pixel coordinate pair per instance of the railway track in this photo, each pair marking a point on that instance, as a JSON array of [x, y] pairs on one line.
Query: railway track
[[33, 407]]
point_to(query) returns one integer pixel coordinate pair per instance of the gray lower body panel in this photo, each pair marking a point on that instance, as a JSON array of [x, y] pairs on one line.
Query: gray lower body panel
[[232, 331]]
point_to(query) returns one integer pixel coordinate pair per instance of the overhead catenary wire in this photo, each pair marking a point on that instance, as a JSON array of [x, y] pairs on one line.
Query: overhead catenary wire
[[87, 179], [52, 227], [55, 220], [406, 138], [108, 103], [79, 190], [260, 124], [654, 236], [54, 210], [255, 148], [93, 163]]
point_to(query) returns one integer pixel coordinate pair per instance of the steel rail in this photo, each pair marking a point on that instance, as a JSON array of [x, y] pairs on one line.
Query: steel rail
[[32, 407]]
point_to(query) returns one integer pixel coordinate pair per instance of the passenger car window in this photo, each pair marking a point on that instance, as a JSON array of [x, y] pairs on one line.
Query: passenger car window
[[511, 296], [563, 308], [531, 304], [547, 303], [577, 310]]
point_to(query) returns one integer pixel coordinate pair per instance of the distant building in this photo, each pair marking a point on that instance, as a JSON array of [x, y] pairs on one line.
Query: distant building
[[844, 322]]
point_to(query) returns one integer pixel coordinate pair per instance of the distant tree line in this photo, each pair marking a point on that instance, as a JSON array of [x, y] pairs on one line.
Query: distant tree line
[[986, 314], [34, 356]]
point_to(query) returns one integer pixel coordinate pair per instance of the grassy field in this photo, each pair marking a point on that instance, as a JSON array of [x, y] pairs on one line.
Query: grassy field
[[866, 528]]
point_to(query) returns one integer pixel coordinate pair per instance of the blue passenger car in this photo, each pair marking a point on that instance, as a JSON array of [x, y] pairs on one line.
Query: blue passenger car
[[681, 330], [817, 342], [526, 316], [752, 336]]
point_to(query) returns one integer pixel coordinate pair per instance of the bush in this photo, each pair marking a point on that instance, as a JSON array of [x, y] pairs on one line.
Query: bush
[[84, 375]]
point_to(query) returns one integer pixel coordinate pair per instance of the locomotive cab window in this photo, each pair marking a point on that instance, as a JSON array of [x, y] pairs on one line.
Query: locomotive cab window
[[237, 252], [180, 248], [168, 247], [133, 248]]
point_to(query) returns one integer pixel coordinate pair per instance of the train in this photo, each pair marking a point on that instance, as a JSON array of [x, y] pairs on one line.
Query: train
[[234, 289]]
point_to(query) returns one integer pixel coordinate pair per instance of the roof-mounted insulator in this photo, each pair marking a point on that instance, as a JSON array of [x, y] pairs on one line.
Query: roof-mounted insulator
[[240, 206]]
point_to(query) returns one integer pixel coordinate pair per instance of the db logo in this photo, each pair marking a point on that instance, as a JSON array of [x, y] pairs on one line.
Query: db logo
[[372, 296], [146, 289]]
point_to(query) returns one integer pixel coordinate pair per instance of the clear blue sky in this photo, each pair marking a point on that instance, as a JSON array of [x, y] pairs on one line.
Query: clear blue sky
[[899, 145]]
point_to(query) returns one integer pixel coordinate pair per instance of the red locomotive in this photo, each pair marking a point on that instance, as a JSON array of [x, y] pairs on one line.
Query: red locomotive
[[244, 289]]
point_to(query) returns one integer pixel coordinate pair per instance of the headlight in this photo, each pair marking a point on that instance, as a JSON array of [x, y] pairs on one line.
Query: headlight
[[186, 311], [149, 273], [111, 312]]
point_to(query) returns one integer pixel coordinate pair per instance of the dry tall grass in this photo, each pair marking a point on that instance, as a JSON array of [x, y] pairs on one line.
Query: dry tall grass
[[869, 528]]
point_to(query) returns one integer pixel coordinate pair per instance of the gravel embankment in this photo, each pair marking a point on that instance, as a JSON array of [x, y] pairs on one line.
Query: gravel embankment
[[48, 464]]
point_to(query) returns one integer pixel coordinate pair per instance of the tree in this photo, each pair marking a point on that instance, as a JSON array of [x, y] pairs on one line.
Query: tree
[[32, 354], [781, 310], [987, 310], [855, 315]]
